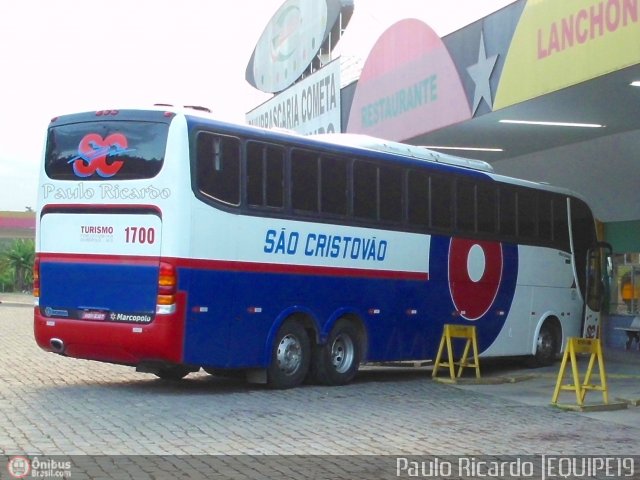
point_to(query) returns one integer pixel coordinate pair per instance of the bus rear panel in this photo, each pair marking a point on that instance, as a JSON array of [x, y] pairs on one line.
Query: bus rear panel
[[103, 290]]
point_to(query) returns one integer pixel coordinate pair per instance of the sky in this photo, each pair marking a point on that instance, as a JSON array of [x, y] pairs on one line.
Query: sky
[[66, 56]]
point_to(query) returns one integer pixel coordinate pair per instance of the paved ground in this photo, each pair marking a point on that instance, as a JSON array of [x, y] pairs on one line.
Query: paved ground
[[50, 405]]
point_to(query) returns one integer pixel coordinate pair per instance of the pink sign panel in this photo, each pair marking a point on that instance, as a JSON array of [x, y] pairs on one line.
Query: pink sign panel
[[409, 86]]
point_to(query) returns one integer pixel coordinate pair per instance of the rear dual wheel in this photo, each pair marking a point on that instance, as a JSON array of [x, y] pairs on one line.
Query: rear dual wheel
[[290, 356], [337, 361], [334, 363]]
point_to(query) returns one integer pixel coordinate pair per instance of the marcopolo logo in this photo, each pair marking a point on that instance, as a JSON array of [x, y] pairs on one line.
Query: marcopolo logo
[[94, 153], [131, 318]]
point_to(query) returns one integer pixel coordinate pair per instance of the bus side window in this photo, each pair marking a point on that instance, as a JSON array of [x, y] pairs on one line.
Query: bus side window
[[507, 212], [486, 207], [265, 175], [218, 167], [583, 235], [365, 190], [274, 177], [391, 194], [255, 174], [545, 212], [441, 202], [466, 206], [527, 214], [304, 181], [334, 186], [561, 224], [418, 208]]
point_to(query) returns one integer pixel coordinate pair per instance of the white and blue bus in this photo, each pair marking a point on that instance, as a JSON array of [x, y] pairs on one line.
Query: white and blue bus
[[169, 241]]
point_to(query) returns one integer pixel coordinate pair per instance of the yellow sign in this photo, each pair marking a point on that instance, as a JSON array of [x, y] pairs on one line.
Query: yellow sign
[[562, 43], [449, 332], [576, 346]]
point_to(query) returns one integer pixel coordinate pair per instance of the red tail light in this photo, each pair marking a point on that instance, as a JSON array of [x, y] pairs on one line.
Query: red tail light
[[36, 276], [167, 286]]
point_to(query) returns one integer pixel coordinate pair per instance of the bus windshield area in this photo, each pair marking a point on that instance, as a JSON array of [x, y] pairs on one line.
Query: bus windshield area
[[105, 150]]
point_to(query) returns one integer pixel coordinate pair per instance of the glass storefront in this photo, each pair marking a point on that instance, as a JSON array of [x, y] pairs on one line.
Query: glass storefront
[[625, 287], [624, 305]]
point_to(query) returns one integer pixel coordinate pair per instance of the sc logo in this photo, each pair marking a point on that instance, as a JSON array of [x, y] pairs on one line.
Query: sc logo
[[93, 152]]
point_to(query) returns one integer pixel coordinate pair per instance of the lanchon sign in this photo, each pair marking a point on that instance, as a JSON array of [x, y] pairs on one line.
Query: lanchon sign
[[594, 37], [292, 39]]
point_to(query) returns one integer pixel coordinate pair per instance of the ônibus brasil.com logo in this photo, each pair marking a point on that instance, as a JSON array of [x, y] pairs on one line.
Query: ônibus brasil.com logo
[[19, 467], [22, 467]]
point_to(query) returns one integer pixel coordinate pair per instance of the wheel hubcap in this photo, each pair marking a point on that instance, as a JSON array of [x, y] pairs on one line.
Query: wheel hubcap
[[545, 343], [289, 354], [342, 353]]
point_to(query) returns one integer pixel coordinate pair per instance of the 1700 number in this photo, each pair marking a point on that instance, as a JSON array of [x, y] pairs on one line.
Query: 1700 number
[[140, 235]]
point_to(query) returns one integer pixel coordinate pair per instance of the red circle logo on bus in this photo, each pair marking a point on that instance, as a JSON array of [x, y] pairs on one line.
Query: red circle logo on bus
[[475, 271], [93, 152]]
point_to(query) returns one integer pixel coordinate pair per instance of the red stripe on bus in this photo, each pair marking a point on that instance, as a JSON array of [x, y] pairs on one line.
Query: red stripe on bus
[[297, 269], [99, 259]]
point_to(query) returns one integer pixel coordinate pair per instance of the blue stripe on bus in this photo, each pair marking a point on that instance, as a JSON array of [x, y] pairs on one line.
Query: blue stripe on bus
[[112, 287], [403, 318]]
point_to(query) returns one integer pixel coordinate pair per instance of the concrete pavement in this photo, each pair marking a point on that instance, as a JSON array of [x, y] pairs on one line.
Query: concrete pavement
[[52, 405]]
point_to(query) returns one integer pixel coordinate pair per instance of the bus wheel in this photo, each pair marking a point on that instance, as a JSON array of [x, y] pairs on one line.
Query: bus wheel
[[173, 372], [547, 345], [338, 360], [290, 356]]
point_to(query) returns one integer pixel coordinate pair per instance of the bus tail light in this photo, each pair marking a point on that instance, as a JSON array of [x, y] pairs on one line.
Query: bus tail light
[[167, 288], [36, 277]]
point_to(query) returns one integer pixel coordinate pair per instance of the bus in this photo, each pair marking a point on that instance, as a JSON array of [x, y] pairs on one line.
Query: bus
[[173, 242]]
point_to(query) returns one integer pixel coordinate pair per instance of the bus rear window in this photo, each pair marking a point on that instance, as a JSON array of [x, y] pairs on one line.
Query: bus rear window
[[106, 150]]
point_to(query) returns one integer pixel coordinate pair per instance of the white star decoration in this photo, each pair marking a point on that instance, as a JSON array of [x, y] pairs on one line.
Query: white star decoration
[[480, 74]]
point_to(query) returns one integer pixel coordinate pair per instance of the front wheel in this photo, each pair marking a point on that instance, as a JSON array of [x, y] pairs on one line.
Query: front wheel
[[547, 346], [337, 361], [290, 356]]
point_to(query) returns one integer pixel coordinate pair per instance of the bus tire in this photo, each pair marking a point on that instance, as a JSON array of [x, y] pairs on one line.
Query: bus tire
[[547, 345], [337, 361], [173, 372], [290, 356]]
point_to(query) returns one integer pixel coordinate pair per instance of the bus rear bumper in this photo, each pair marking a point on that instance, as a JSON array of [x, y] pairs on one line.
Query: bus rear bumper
[[122, 343]]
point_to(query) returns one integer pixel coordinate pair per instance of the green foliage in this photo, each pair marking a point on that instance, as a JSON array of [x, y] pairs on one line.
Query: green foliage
[[16, 265], [6, 278]]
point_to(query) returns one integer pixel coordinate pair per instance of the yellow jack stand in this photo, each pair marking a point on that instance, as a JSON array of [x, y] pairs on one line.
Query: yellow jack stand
[[575, 346], [457, 331]]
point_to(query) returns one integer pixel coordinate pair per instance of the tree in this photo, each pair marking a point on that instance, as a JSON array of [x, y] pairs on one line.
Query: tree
[[19, 258]]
